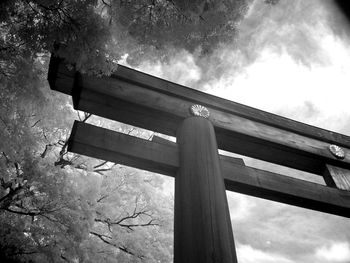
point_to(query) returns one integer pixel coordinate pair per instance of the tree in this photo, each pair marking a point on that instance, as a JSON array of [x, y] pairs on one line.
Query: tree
[[182, 24], [39, 210], [57, 206], [31, 28], [95, 34], [60, 207], [139, 225]]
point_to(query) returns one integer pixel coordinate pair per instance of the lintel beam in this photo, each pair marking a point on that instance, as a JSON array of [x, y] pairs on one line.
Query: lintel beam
[[148, 102], [162, 158]]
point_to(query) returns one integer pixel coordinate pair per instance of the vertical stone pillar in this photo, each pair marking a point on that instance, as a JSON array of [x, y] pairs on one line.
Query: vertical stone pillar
[[203, 232]]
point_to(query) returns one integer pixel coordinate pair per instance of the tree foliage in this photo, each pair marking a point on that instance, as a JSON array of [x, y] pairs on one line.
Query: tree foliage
[[95, 34], [31, 28], [56, 206], [182, 24]]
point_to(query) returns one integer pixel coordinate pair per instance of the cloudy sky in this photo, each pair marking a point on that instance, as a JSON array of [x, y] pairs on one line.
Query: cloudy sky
[[291, 59]]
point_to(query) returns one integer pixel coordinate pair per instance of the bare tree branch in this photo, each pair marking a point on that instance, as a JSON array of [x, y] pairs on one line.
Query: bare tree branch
[[106, 239], [35, 123], [131, 226], [100, 165], [105, 3], [125, 221], [101, 198]]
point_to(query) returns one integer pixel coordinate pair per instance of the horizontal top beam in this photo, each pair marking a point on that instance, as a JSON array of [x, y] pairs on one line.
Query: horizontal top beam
[[162, 157], [145, 101], [152, 82], [58, 70]]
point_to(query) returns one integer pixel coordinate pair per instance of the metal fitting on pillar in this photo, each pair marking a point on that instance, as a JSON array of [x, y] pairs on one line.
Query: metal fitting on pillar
[[199, 111]]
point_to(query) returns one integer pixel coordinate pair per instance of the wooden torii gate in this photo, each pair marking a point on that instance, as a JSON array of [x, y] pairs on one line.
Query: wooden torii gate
[[202, 124]]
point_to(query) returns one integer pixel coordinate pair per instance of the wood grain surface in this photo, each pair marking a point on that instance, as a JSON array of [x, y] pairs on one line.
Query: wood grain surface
[[163, 157], [202, 230]]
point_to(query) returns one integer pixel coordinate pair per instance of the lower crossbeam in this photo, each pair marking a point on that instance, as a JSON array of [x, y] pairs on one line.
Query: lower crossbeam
[[163, 158]]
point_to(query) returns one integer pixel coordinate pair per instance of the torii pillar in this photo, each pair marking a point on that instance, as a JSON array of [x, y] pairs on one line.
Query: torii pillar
[[203, 231]]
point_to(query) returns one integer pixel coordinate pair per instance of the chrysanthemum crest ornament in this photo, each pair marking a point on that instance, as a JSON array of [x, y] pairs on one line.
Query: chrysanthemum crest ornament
[[337, 151], [199, 111]]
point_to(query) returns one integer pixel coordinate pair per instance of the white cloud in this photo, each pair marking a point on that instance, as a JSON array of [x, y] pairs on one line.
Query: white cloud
[[247, 254], [337, 252], [239, 205], [181, 68], [275, 82]]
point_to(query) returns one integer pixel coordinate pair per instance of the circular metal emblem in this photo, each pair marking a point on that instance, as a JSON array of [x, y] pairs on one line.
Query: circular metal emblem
[[199, 110], [337, 151]]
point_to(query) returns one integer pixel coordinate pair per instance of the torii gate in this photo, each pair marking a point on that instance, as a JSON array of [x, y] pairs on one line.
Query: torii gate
[[202, 123]]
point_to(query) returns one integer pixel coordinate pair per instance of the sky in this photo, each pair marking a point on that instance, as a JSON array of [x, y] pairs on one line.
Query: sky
[[291, 59]]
